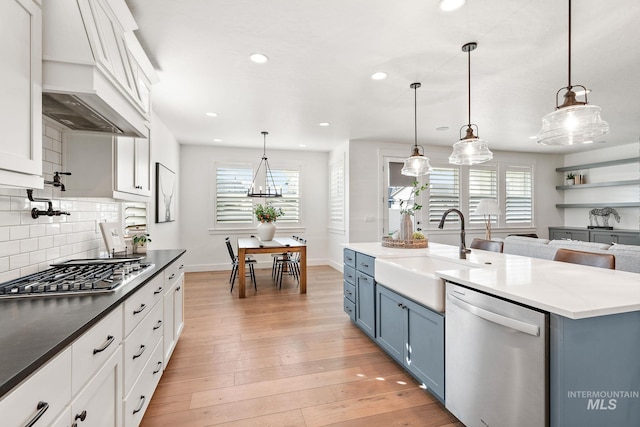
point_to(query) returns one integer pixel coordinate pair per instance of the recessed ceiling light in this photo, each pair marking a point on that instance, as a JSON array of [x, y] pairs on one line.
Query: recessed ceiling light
[[449, 5], [442, 128], [324, 124], [259, 58], [217, 140], [380, 75], [210, 114], [302, 145]]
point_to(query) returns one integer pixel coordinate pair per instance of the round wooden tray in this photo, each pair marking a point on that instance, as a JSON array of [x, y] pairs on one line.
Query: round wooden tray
[[388, 242]]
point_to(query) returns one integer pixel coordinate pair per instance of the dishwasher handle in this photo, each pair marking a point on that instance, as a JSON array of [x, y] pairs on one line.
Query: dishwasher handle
[[490, 316]]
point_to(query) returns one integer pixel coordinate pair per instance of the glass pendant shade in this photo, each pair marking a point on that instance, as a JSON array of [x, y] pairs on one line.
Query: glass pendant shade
[[417, 164], [575, 124], [470, 150]]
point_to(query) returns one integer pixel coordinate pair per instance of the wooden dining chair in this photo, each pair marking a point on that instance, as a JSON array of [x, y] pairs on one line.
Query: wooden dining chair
[[234, 269], [585, 258], [487, 245]]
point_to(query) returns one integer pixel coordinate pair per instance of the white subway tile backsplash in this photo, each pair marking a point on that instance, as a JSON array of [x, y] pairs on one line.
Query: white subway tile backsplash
[[29, 245]]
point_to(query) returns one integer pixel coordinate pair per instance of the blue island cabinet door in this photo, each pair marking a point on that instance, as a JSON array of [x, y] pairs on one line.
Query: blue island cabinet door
[[366, 303], [390, 321], [594, 369], [425, 347]]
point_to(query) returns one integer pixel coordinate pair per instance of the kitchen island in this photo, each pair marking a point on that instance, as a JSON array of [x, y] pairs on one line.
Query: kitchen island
[[40, 330], [594, 325]]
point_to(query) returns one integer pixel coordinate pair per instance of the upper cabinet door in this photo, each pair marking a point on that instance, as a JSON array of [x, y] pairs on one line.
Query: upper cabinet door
[[21, 100]]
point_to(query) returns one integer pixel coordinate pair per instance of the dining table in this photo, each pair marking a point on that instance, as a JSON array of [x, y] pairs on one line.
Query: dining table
[[253, 245]]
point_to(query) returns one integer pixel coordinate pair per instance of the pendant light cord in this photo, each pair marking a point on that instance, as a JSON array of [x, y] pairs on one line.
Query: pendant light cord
[[469, 84], [415, 116], [569, 61]]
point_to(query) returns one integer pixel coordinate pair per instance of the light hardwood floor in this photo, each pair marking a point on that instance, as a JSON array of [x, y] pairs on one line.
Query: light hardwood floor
[[278, 358]]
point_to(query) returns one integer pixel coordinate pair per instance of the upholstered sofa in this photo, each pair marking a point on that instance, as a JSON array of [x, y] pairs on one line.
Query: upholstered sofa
[[627, 256]]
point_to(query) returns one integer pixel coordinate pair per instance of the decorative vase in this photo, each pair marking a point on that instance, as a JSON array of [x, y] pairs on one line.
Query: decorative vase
[[406, 227], [140, 248], [266, 231]]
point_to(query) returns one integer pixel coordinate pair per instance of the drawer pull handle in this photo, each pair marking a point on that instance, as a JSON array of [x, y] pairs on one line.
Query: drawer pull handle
[[42, 408], [142, 349], [364, 265], [81, 416], [157, 291], [158, 325], [140, 310], [139, 408], [181, 267], [178, 288], [107, 343], [172, 276], [158, 369]]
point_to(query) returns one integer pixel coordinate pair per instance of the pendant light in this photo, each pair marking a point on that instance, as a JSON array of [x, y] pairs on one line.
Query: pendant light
[[573, 122], [417, 164], [269, 189], [470, 150]]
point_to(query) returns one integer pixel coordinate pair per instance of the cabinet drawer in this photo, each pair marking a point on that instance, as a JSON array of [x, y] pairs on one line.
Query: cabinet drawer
[[349, 258], [350, 308], [136, 403], [46, 392], [349, 274], [349, 291], [173, 272], [139, 345], [95, 347], [365, 263], [139, 304]]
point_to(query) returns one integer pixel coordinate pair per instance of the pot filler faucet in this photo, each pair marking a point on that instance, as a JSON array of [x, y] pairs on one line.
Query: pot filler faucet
[[463, 247]]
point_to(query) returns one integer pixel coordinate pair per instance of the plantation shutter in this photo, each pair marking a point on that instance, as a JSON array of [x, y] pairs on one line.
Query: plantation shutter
[[444, 192], [518, 204], [232, 203], [336, 194], [483, 184], [289, 181]]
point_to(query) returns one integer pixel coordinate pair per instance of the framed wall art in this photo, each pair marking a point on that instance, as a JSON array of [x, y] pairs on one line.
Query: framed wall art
[[165, 194]]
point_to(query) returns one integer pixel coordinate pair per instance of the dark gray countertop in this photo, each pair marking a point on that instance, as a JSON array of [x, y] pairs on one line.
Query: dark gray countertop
[[34, 330]]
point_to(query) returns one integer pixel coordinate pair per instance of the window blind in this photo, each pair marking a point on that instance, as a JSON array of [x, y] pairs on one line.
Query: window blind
[[336, 194], [232, 203], [289, 181], [444, 193], [518, 203], [483, 184]]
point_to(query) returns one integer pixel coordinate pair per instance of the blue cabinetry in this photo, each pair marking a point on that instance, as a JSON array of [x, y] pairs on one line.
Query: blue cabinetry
[[414, 336], [359, 290]]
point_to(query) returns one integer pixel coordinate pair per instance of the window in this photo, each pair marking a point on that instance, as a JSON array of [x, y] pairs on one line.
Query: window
[[483, 184], [518, 200], [444, 193], [232, 204], [289, 181], [336, 195], [234, 208]]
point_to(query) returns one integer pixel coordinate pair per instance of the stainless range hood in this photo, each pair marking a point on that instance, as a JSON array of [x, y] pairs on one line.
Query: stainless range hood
[[91, 81]]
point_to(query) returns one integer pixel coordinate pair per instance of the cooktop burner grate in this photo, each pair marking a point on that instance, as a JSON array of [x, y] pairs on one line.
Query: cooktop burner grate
[[76, 277]]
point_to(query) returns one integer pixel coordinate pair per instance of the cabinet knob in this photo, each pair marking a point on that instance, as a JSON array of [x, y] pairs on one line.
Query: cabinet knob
[[81, 416]]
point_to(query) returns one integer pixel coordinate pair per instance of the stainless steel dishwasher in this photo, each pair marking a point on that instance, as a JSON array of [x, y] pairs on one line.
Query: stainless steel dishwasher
[[496, 361]]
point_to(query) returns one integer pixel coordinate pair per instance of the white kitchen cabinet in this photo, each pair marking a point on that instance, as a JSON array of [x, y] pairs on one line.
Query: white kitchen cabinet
[[107, 166], [139, 345], [99, 404], [40, 397], [21, 101], [133, 165], [173, 307], [136, 402]]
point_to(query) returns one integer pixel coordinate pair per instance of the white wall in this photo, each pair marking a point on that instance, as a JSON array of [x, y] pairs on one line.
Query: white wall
[[166, 150], [205, 246], [579, 217]]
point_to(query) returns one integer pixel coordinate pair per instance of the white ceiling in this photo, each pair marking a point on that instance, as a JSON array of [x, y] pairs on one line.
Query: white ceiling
[[323, 52]]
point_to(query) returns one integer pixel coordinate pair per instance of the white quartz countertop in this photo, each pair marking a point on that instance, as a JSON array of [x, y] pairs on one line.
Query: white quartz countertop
[[570, 290]]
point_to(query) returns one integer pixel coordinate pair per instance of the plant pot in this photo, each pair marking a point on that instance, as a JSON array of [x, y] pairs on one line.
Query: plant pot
[[406, 227], [140, 249], [571, 181], [266, 231]]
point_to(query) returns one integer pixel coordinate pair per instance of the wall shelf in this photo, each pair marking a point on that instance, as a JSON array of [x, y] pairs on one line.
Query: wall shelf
[[599, 164], [599, 205], [598, 184]]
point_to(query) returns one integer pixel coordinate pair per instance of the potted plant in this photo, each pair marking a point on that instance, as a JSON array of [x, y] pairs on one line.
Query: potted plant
[[140, 242], [406, 224], [267, 215], [571, 178]]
